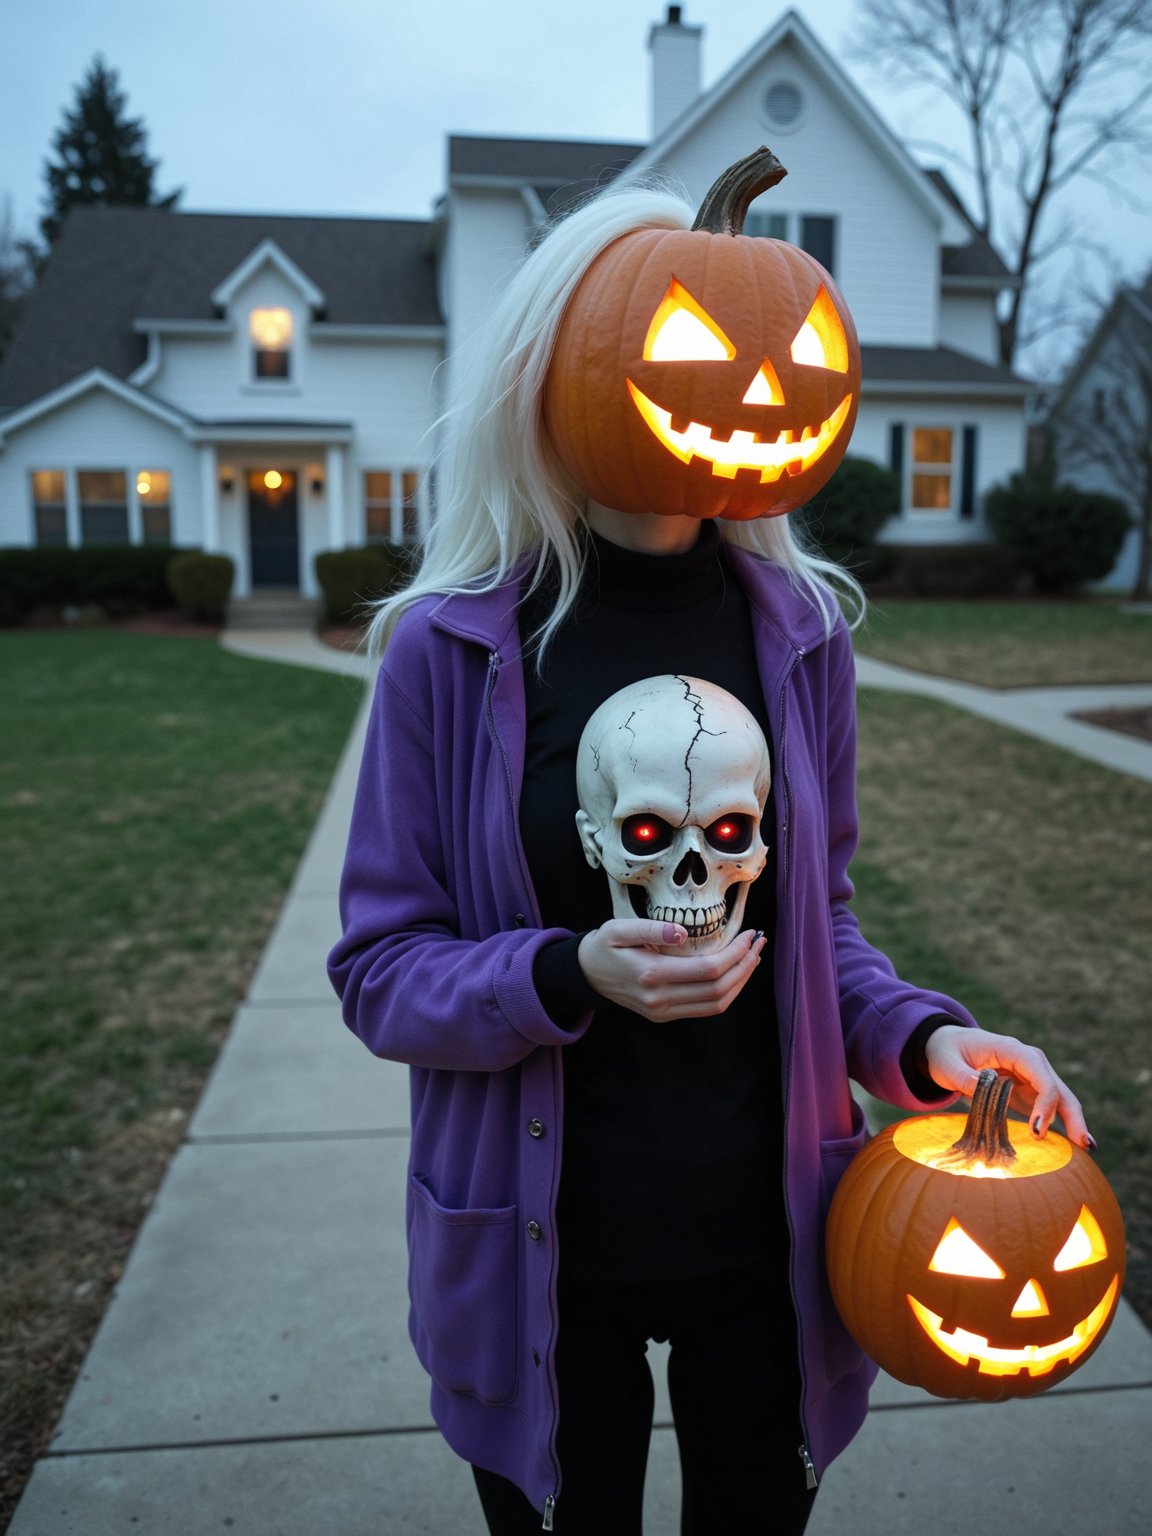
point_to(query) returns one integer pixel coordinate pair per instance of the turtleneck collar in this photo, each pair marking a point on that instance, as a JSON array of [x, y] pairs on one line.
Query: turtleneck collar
[[641, 582]]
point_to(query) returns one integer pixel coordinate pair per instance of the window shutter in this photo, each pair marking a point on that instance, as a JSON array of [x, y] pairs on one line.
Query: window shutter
[[968, 474], [896, 450]]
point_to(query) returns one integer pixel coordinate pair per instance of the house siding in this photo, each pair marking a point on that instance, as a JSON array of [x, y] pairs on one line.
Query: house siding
[[887, 242], [968, 324]]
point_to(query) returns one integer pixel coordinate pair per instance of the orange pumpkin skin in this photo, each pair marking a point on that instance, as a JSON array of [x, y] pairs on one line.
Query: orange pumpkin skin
[[886, 1227], [758, 295]]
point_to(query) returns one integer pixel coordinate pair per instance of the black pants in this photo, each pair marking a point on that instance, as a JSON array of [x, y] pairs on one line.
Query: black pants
[[735, 1390]]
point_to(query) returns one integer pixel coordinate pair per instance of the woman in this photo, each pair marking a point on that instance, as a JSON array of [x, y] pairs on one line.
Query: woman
[[614, 1139]]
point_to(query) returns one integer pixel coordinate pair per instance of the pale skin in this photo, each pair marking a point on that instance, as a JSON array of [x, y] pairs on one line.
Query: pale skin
[[633, 961]]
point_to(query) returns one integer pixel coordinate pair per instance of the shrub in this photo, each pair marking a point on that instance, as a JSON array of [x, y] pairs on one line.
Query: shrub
[[352, 578], [202, 584], [1060, 535], [944, 570], [844, 519], [120, 578]]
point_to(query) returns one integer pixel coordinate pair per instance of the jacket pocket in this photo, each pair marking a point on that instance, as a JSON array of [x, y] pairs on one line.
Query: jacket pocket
[[462, 1280], [836, 1155]]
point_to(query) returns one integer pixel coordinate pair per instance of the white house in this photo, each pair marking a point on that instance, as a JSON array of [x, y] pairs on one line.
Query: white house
[[1099, 428], [264, 386]]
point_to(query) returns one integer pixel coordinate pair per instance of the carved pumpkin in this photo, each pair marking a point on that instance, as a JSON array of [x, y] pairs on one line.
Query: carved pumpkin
[[988, 1267], [705, 371]]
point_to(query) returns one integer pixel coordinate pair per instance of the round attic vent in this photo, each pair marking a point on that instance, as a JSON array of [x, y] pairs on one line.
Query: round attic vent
[[783, 105]]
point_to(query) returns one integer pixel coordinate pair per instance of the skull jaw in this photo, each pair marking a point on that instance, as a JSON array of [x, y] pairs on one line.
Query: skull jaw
[[704, 938]]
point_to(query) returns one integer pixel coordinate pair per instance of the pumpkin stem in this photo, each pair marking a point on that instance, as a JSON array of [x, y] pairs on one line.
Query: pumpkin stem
[[985, 1138], [727, 200]]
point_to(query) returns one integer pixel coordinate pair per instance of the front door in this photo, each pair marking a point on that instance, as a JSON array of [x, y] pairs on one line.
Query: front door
[[273, 528]]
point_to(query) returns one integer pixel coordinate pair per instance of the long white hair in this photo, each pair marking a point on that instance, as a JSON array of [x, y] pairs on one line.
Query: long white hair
[[501, 494]]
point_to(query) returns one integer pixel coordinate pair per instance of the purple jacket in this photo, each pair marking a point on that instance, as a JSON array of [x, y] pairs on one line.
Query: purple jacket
[[435, 969]]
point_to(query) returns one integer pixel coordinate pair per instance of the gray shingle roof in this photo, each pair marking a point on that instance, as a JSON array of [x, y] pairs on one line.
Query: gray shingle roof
[[112, 266], [934, 365], [976, 259], [550, 163]]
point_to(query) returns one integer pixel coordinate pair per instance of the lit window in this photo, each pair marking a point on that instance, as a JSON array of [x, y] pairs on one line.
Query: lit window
[[932, 468], [271, 333], [391, 506], [153, 491], [103, 506], [50, 506]]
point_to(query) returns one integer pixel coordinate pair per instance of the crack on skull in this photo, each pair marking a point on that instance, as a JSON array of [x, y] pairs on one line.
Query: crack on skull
[[697, 706], [626, 725]]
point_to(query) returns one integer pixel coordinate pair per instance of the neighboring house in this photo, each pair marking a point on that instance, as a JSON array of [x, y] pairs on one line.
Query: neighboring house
[[265, 386], [1098, 431]]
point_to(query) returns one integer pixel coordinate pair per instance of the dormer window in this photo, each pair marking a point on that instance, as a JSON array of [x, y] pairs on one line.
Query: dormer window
[[271, 334]]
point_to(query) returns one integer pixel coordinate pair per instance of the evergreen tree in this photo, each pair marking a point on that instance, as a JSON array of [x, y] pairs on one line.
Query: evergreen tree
[[102, 154]]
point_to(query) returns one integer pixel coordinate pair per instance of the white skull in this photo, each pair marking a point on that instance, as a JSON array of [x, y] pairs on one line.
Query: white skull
[[672, 776]]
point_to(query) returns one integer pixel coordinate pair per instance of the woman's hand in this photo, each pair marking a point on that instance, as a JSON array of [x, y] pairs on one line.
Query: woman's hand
[[627, 961], [956, 1055]]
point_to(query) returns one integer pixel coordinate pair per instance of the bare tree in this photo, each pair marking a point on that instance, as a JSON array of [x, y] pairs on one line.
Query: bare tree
[[1103, 419], [1050, 91]]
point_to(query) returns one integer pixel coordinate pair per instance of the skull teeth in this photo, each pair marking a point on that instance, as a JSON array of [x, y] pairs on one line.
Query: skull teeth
[[701, 922]]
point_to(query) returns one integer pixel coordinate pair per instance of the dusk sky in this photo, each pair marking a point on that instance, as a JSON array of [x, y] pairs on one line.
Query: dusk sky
[[283, 106]]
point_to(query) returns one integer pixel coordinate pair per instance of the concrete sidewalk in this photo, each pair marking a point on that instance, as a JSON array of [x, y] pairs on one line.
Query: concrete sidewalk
[[253, 1370]]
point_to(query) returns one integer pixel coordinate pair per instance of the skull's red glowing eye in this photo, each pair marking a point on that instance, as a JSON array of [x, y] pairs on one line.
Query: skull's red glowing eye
[[645, 834], [731, 834]]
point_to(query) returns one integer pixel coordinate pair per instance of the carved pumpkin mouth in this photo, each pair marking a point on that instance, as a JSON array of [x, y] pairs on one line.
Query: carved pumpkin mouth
[[769, 457], [1037, 1359]]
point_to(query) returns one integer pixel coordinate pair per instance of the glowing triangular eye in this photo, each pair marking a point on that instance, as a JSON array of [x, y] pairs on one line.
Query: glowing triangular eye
[[1085, 1243], [765, 387], [957, 1254], [1030, 1302], [820, 342], [682, 331]]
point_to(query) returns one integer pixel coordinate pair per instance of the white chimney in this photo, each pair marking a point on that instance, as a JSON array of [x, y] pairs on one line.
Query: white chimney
[[675, 50]]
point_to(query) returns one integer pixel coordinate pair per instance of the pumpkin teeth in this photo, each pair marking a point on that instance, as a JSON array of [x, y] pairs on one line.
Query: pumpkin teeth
[[743, 449], [1037, 1359]]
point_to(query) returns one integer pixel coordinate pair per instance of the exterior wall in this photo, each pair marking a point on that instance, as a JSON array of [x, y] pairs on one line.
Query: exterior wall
[[1000, 440], [97, 431], [888, 245], [488, 233], [968, 324]]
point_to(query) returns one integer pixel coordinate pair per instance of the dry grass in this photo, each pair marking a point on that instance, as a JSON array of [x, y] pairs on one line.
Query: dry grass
[[155, 796], [1014, 876], [1012, 644]]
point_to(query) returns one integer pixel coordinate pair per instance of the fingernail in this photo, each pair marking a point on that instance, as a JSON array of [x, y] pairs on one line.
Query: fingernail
[[1036, 1126], [1091, 1142], [673, 935], [759, 935]]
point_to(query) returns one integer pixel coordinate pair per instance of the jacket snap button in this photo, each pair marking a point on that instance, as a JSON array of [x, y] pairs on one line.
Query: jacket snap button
[[535, 1128], [535, 1231]]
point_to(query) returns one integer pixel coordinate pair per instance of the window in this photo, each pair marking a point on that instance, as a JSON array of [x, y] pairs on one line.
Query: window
[[50, 506], [932, 469], [812, 232], [153, 491], [391, 506], [271, 334], [103, 506]]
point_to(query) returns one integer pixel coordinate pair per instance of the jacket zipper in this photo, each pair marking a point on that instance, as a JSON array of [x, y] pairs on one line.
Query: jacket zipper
[[810, 1478], [494, 663]]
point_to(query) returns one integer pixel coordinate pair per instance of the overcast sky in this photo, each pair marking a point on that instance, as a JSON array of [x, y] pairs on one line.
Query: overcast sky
[[342, 106]]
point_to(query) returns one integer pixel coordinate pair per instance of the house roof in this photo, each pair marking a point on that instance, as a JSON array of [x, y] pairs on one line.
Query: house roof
[[541, 162], [921, 368], [977, 258], [113, 266]]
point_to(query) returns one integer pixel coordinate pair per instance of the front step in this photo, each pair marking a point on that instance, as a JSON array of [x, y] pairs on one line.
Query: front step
[[274, 610]]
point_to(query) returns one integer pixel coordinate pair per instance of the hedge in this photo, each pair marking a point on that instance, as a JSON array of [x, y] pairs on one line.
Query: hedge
[[1061, 536], [202, 585], [352, 578], [120, 578]]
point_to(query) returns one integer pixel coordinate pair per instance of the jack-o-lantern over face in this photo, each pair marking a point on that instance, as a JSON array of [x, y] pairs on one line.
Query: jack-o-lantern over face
[[988, 1267], [705, 371]]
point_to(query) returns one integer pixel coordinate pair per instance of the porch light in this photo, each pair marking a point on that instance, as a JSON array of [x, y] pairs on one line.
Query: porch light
[[143, 484], [317, 485], [273, 479], [226, 483]]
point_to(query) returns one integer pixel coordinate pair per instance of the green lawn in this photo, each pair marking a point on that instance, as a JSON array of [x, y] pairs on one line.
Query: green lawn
[[155, 797], [1012, 644], [1015, 877]]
